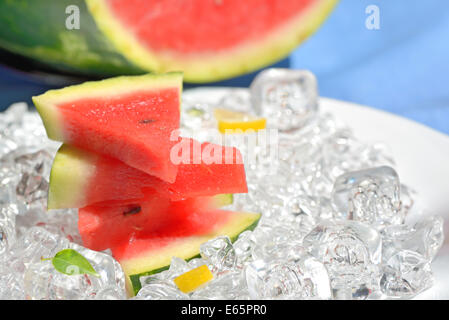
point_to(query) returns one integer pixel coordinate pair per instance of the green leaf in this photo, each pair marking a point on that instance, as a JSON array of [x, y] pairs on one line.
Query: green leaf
[[70, 262]]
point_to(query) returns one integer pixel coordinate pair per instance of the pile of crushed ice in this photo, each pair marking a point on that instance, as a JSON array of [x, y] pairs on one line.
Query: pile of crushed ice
[[334, 213]]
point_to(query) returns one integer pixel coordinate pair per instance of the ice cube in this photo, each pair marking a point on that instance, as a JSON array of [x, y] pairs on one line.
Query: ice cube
[[8, 214], [370, 195], [110, 271], [11, 284], [301, 278], [356, 287], [243, 247], [178, 266], [34, 165], [44, 282], [196, 262], [35, 244], [219, 253], [196, 115], [160, 290], [277, 251], [286, 98], [236, 100], [425, 238], [9, 178], [344, 246], [405, 274], [110, 293], [228, 286], [350, 250]]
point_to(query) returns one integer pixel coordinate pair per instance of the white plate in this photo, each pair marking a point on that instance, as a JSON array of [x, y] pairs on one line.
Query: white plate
[[421, 154]]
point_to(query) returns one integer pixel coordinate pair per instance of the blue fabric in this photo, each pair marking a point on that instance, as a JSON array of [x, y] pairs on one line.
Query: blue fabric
[[403, 67]]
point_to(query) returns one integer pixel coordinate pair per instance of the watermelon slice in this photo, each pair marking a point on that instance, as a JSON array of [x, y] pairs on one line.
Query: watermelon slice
[[144, 237], [79, 178], [207, 39], [136, 220], [127, 118], [150, 255]]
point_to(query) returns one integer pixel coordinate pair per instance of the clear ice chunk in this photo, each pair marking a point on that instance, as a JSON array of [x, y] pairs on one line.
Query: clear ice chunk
[[44, 282], [243, 247], [178, 266], [11, 284], [361, 287], [219, 253], [160, 290], [35, 244], [196, 262], [228, 286], [344, 244], [286, 98], [110, 293], [424, 237], [110, 271], [8, 214], [301, 278], [350, 250], [371, 196], [405, 274], [33, 186]]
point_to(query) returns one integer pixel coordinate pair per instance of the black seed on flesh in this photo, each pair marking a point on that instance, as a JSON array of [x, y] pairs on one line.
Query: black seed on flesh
[[132, 210], [145, 121]]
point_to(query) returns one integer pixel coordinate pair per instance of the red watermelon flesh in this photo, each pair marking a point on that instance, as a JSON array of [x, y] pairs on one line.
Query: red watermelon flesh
[[198, 224], [103, 227], [105, 179], [218, 25], [127, 118], [139, 138], [208, 40], [113, 180]]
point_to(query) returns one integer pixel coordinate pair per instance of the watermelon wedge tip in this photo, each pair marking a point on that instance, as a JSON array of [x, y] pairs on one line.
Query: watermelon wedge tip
[[128, 118]]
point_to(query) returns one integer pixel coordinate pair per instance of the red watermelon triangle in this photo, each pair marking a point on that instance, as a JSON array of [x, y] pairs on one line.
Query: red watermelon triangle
[[127, 118]]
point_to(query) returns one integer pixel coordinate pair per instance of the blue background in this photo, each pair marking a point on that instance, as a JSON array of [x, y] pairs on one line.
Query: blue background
[[403, 67]]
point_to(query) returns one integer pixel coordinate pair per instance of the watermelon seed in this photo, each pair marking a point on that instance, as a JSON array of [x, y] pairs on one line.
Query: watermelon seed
[[145, 121], [133, 210]]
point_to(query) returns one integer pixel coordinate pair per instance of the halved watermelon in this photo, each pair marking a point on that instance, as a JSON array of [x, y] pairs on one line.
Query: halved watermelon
[[79, 178], [127, 118], [207, 39]]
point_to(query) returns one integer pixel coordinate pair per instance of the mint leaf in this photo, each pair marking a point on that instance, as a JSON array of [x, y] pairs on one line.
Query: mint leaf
[[70, 262]]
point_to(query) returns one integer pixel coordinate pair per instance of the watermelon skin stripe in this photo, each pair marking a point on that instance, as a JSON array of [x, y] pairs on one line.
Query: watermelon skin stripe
[[134, 284], [37, 30], [218, 65]]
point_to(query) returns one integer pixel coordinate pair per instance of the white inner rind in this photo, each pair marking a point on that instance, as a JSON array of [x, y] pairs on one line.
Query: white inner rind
[[70, 176]]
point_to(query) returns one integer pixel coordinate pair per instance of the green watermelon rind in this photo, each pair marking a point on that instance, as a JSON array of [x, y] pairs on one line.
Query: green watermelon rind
[[218, 65], [46, 104], [134, 279], [37, 30]]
